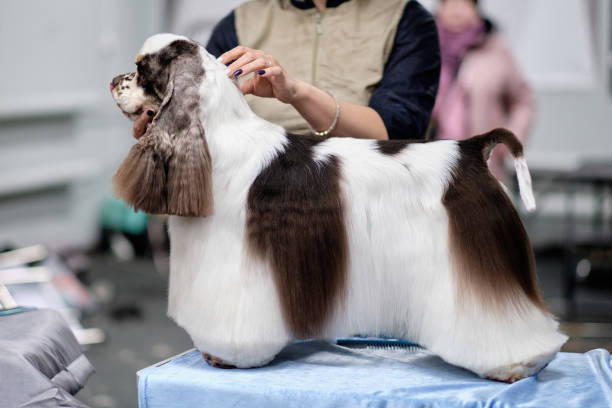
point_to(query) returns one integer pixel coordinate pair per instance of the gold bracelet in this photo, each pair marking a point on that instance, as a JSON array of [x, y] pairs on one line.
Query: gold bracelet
[[333, 125]]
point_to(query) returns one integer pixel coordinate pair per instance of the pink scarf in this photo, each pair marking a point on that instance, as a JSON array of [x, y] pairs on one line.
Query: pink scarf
[[450, 108]]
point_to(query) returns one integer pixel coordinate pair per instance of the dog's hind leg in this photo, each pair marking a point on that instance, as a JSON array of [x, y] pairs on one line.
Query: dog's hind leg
[[499, 332], [504, 339], [503, 342], [500, 327]]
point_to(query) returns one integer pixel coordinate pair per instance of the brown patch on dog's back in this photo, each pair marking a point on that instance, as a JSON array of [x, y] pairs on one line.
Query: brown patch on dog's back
[[393, 147], [489, 246], [295, 221]]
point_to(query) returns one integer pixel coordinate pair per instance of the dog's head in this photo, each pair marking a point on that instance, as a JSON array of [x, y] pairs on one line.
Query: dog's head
[[135, 91], [168, 171]]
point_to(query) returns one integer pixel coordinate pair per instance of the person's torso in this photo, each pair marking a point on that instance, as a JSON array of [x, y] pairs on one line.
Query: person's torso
[[475, 101], [343, 49]]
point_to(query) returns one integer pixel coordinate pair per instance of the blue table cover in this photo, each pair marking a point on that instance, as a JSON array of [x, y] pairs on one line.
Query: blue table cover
[[318, 374]]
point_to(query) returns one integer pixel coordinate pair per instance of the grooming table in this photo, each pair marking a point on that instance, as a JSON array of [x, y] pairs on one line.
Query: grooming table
[[41, 363], [317, 374]]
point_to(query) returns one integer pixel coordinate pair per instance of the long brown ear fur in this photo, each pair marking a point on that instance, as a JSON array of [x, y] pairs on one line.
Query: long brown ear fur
[[141, 180], [189, 175], [169, 170]]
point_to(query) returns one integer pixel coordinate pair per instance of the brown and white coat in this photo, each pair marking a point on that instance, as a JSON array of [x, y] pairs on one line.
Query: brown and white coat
[[319, 238]]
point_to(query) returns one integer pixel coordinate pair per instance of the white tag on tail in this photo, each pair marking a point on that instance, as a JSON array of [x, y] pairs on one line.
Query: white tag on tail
[[524, 182]]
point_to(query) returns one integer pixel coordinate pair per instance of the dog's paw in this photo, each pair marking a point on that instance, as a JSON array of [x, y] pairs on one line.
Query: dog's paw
[[513, 373], [518, 371], [216, 362]]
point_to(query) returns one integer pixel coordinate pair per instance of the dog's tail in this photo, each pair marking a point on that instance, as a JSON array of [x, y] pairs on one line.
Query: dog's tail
[[486, 142]]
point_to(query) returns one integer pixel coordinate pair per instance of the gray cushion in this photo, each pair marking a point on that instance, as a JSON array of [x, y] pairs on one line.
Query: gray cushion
[[41, 363]]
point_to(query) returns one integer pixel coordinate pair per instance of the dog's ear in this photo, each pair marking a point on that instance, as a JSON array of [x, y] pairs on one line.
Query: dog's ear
[[169, 170], [140, 181], [190, 175]]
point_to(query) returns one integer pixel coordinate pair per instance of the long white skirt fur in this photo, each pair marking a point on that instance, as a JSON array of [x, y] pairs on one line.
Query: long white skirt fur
[[400, 280]]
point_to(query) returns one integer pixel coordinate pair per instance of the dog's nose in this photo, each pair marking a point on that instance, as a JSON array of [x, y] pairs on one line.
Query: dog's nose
[[115, 82]]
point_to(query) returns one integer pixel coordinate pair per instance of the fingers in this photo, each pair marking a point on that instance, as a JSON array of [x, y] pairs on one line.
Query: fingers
[[269, 79], [284, 87], [246, 60], [272, 73], [232, 54], [236, 68], [140, 124], [253, 85], [256, 65], [248, 86], [275, 74]]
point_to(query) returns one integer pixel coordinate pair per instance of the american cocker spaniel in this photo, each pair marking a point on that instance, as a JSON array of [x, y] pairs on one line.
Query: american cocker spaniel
[[276, 237]]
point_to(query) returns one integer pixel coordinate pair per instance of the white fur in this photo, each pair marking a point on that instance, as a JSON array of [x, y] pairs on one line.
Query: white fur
[[129, 97], [524, 180], [400, 279], [158, 41]]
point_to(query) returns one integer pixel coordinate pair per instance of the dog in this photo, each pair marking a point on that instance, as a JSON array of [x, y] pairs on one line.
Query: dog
[[277, 237]]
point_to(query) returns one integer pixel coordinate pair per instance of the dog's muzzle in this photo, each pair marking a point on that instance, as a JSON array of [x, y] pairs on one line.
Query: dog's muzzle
[[130, 97]]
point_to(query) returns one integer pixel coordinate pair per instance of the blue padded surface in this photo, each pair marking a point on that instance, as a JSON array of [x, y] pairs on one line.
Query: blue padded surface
[[317, 374]]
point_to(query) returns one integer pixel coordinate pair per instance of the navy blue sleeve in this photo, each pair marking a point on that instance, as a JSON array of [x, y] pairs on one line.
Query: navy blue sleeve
[[406, 94], [223, 37]]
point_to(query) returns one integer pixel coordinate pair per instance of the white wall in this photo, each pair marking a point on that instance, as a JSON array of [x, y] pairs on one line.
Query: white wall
[[61, 135], [196, 18]]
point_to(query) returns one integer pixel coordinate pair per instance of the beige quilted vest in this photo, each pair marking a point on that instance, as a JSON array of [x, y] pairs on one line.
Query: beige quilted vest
[[343, 49]]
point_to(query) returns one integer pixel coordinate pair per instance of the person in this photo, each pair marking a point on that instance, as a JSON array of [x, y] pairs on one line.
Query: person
[[358, 68], [481, 87]]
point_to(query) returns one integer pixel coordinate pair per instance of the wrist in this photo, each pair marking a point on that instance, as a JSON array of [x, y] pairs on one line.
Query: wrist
[[300, 93]]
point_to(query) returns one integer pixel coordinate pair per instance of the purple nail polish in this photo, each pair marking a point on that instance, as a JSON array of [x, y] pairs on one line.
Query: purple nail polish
[[237, 73], [261, 71], [150, 112]]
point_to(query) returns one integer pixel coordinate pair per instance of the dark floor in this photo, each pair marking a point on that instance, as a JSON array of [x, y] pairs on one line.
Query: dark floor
[[138, 333]]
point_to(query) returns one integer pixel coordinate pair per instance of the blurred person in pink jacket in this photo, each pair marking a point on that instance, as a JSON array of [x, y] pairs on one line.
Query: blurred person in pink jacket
[[481, 87]]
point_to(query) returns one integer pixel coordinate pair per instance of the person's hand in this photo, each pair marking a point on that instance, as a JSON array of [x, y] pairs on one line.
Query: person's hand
[[270, 80], [142, 122]]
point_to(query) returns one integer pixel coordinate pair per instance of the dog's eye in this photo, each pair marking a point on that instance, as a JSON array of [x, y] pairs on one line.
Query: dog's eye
[[150, 87], [140, 73], [141, 79], [143, 71]]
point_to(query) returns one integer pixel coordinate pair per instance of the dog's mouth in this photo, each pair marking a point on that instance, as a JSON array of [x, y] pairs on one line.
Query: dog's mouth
[[130, 97]]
